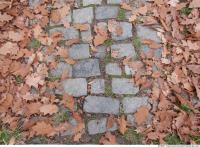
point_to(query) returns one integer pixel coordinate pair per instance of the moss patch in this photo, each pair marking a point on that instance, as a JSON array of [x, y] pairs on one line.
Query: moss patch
[[121, 14], [137, 42], [172, 139], [61, 117], [186, 10], [108, 90], [133, 137], [6, 135], [108, 42], [34, 44], [107, 58]]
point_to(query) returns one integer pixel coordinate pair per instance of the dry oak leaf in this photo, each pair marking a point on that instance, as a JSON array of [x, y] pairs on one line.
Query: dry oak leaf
[[34, 80], [4, 4], [173, 3], [126, 6], [77, 137], [99, 39], [195, 4], [194, 68], [9, 48], [108, 139], [16, 36], [142, 10], [70, 61], [165, 61], [64, 11], [141, 115], [122, 124], [62, 52], [68, 101], [43, 128], [81, 27], [133, 18], [195, 81], [49, 109], [32, 108], [55, 16], [5, 17], [37, 31]]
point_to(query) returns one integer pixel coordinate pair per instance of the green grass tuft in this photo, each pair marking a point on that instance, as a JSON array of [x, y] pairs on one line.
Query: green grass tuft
[[133, 137], [196, 139], [185, 108], [52, 78], [108, 42], [121, 14], [137, 42], [107, 58], [61, 117], [5, 135], [108, 90], [35, 44], [19, 79], [173, 139], [186, 10]]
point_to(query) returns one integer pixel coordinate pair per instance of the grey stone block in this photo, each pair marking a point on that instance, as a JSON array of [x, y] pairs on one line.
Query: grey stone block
[[116, 1], [61, 68], [101, 52], [99, 126], [91, 2], [75, 87], [79, 51], [126, 31], [98, 86], [145, 32], [131, 104], [123, 86], [106, 12], [83, 15], [113, 69], [86, 68], [69, 33], [86, 36], [123, 50], [97, 104]]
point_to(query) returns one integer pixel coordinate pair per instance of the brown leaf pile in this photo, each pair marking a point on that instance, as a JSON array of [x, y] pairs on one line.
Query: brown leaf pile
[[176, 82], [24, 97]]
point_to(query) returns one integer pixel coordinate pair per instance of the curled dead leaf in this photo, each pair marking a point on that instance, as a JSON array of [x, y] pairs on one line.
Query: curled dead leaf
[[48, 109]]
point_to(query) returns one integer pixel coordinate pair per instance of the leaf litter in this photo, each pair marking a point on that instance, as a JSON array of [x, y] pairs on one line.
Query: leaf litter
[[174, 86]]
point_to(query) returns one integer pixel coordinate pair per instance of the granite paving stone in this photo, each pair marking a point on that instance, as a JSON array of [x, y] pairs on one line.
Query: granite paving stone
[[97, 86], [79, 51], [106, 12], [68, 33], [123, 86], [126, 31], [131, 104], [83, 15], [61, 68], [91, 2], [101, 52], [86, 36], [123, 50], [145, 32], [98, 104], [86, 68], [113, 69], [75, 87], [99, 126]]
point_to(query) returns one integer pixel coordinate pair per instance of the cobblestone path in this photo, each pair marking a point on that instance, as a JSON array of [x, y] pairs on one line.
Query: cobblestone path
[[99, 78]]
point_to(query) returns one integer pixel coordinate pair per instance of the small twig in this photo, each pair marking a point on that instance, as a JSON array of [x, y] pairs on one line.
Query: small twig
[[11, 2]]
